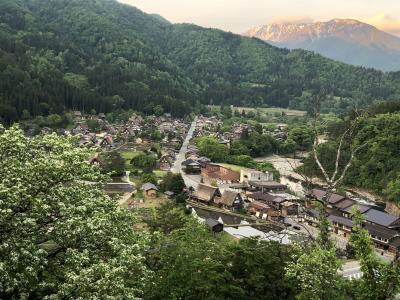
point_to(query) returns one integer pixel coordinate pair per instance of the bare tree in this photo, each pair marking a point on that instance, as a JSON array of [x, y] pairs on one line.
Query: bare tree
[[338, 174], [334, 180]]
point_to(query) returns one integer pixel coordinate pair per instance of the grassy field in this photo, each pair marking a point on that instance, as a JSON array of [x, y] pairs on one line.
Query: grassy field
[[159, 173], [288, 112], [136, 178], [151, 202], [146, 203], [127, 155], [267, 110]]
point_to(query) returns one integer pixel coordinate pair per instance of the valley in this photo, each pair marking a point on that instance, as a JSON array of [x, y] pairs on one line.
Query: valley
[[142, 157]]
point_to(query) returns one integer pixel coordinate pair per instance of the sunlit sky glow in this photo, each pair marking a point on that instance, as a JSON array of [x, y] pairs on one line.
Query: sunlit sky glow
[[239, 15]]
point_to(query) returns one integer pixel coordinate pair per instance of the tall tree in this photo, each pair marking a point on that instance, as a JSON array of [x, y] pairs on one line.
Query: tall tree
[[61, 237], [380, 280], [315, 271], [193, 264]]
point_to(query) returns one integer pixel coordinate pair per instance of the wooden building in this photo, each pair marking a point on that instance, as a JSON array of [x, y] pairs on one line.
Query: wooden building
[[214, 225], [166, 161], [206, 194], [191, 166], [267, 186], [230, 200], [149, 190]]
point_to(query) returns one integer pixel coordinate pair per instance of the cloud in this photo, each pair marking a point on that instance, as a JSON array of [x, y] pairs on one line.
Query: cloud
[[292, 20], [385, 22]]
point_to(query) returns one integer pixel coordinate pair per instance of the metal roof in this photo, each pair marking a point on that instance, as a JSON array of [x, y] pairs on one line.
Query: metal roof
[[345, 203], [341, 220], [380, 217], [267, 184], [361, 208], [320, 194], [381, 231]]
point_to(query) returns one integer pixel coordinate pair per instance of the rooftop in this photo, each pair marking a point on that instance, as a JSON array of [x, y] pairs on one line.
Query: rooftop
[[149, 186], [361, 208], [259, 205], [320, 194], [380, 231], [380, 217], [205, 192], [228, 198], [341, 220], [344, 203], [267, 184]]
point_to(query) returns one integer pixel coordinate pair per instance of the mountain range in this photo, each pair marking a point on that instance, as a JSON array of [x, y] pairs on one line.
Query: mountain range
[[105, 56], [345, 40]]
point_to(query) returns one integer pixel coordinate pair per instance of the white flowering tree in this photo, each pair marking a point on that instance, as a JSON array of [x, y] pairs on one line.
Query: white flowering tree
[[316, 275], [60, 235]]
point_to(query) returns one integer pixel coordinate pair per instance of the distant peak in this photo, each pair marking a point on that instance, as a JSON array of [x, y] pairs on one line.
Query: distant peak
[[346, 40], [349, 22]]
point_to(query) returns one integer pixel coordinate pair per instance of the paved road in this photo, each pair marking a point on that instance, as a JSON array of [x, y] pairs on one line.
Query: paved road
[[190, 180]]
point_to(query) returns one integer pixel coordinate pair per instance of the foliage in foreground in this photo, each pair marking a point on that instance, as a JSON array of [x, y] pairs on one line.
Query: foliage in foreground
[[194, 264], [62, 238]]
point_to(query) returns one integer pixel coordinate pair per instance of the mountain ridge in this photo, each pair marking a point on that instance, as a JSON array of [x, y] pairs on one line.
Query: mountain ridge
[[106, 56], [361, 43]]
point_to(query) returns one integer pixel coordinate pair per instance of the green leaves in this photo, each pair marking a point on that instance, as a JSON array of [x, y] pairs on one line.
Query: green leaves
[[210, 148], [192, 265], [61, 236], [173, 182], [316, 274], [380, 280], [114, 164], [80, 55], [303, 136]]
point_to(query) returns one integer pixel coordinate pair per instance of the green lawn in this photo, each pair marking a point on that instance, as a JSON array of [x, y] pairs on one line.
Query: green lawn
[[160, 173], [136, 178], [289, 112], [127, 155], [266, 110]]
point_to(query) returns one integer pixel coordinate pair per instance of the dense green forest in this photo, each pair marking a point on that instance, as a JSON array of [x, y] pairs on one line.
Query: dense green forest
[[376, 165], [83, 55], [102, 55]]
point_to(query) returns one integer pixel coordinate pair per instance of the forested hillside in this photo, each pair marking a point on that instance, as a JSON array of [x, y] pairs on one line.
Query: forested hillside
[[102, 55], [83, 55], [376, 165], [247, 71]]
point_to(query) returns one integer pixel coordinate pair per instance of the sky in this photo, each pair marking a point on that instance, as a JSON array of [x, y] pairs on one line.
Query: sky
[[240, 15]]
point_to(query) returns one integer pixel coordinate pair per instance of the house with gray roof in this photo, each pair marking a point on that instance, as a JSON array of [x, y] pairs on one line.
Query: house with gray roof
[[378, 217]]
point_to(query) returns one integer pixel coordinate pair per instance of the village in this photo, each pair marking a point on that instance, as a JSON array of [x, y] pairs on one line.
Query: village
[[200, 150], [242, 201], [260, 195]]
